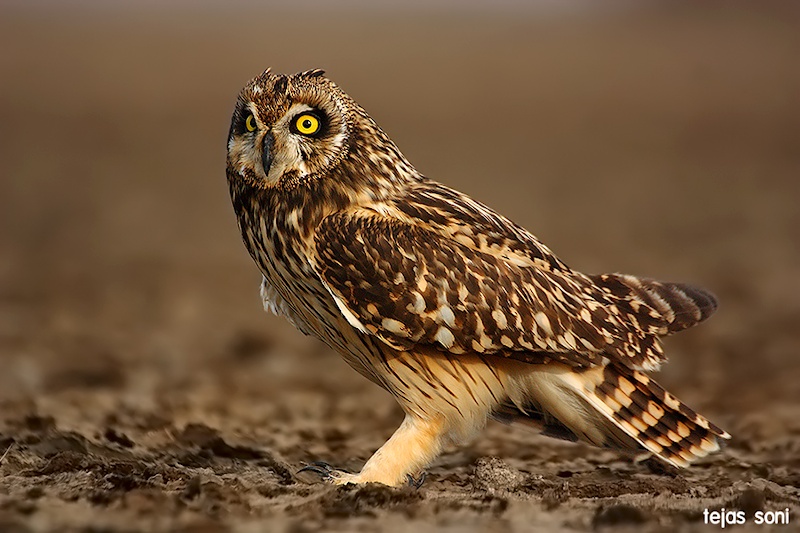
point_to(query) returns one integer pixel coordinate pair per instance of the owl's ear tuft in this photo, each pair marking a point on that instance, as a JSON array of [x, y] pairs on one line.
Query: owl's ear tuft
[[313, 73], [279, 89]]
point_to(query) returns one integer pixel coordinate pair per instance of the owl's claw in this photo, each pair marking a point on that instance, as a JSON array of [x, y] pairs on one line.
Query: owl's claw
[[334, 476], [326, 472], [418, 481], [318, 467]]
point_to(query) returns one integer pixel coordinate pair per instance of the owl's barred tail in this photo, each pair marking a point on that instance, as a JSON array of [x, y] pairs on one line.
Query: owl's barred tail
[[680, 305], [655, 419]]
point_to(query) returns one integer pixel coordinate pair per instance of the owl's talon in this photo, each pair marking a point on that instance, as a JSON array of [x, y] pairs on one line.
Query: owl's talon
[[416, 482], [326, 472], [320, 468]]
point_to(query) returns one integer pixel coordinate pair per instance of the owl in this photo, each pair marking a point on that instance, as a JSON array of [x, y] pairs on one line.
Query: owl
[[459, 313]]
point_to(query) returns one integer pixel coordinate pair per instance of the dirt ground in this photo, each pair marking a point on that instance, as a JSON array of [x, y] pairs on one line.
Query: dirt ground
[[142, 387]]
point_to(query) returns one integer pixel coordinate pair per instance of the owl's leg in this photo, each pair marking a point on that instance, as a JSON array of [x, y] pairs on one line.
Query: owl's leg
[[413, 446]]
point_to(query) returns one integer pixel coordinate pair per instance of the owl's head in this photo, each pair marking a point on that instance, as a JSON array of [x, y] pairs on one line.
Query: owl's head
[[285, 128], [302, 128]]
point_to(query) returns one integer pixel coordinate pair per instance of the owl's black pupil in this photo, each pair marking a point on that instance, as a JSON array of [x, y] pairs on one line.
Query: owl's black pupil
[[307, 124]]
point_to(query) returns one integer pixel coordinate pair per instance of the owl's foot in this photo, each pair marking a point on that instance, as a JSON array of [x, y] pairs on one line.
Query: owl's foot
[[335, 476], [414, 445]]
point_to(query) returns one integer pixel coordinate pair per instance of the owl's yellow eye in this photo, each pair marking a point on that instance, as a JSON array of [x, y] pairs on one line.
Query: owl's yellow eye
[[307, 124], [250, 123]]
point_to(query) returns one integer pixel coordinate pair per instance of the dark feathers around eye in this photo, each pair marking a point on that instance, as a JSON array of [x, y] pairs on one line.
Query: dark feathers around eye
[[320, 116], [239, 119]]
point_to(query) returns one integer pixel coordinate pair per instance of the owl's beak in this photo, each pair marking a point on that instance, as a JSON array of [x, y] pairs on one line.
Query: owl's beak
[[266, 152]]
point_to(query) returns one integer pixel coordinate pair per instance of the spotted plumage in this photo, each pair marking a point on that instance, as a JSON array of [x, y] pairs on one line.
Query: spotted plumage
[[455, 310]]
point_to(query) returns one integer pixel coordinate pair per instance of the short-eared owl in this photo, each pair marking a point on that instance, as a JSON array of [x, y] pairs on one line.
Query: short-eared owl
[[455, 310]]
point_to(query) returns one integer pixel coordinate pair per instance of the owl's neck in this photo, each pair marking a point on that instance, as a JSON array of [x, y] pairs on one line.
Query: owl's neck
[[290, 213], [299, 205]]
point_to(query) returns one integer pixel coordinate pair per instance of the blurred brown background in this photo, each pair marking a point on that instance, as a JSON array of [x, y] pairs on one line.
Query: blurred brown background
[[654, 139]]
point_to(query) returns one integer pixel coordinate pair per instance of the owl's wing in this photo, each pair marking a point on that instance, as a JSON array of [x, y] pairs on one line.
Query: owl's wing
[[408, 281]]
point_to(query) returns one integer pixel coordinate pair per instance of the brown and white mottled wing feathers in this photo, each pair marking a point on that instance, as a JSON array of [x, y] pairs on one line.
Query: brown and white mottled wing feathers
[[431, 274]]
